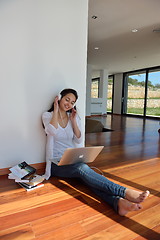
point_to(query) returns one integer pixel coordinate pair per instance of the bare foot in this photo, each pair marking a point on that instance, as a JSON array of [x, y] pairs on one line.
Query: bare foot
[[136, 196], [124, 206]]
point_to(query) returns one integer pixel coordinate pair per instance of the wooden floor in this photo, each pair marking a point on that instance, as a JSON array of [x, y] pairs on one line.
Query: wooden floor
[[68, 210]]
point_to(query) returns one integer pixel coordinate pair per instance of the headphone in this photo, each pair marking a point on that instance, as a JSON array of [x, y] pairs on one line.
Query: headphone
[[59, 96]]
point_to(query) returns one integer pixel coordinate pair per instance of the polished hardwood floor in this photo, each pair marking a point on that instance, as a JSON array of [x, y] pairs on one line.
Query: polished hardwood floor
[[65, 209]]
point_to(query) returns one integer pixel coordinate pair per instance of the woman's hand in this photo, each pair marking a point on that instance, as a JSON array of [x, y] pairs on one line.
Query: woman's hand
[[74, 123], [73, 115], [56, 104]]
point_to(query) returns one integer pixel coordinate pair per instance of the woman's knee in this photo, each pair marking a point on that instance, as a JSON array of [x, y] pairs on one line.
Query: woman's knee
[[83, 166]]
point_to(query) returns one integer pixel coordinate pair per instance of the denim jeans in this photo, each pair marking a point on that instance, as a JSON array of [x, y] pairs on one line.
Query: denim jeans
[[107, 190]]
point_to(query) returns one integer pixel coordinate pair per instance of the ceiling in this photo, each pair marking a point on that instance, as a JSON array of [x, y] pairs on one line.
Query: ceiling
[[120, 49]]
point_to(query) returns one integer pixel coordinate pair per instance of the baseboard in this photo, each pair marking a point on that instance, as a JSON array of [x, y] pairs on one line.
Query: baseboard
[[39, 166]]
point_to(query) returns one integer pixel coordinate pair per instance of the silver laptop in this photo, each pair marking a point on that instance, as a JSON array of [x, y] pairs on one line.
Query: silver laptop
[[83, 154]]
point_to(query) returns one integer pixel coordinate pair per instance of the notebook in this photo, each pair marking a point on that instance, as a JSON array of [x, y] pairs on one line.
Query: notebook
[[83, 154]]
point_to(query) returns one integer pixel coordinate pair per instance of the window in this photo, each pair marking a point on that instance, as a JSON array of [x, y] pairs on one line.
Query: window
[[141, 93], [95, 88], [110, 93]]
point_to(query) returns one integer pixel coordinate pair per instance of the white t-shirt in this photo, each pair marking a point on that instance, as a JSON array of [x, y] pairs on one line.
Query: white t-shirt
[[58, 139]]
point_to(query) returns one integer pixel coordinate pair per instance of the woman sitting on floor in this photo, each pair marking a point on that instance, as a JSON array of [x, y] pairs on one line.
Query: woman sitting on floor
[[63, 129]]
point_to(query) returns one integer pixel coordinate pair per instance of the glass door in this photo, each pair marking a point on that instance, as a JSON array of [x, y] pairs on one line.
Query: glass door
[[153, 93], [135, 93]]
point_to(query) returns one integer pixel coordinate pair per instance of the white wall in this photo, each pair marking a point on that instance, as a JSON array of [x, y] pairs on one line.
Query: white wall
[[43, 49], [104, 89], [118, 83], [88, 90]]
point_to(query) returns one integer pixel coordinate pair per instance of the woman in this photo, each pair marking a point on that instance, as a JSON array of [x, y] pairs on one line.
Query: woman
[[62, 126]]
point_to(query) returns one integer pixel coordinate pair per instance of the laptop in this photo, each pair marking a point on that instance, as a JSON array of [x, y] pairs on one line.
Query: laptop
[[83, 154]]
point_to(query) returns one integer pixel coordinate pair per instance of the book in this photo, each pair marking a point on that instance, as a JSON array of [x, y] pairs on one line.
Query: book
[[30, 188], [31, 180], [12, 176], [35, 179], [26, 176], [22, 170]]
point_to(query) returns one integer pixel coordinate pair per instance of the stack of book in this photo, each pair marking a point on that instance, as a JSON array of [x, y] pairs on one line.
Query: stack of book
[[25, 175]]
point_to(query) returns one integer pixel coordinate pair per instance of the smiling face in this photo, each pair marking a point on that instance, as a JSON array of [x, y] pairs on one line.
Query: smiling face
[[67, 102]]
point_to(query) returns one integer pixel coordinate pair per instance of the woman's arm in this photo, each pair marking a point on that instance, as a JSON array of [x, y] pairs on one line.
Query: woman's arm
[[50, 120], [75, 127], [54, 119]]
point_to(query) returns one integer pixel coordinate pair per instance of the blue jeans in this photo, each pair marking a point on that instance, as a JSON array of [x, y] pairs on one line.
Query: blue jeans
[[107, 190]]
